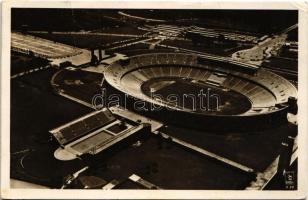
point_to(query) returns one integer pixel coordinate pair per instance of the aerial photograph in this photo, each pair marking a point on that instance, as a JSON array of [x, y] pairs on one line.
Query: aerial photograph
[[153, 99]]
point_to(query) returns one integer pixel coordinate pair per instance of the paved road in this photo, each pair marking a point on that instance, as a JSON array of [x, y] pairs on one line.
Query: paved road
[[87, 33], [29, 71], [140, 18]]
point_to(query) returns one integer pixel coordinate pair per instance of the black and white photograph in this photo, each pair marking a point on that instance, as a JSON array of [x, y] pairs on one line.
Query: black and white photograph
[[153, 99]]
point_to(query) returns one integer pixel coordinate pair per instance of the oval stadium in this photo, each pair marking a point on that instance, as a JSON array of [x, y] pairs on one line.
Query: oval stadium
[[211, 89]]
